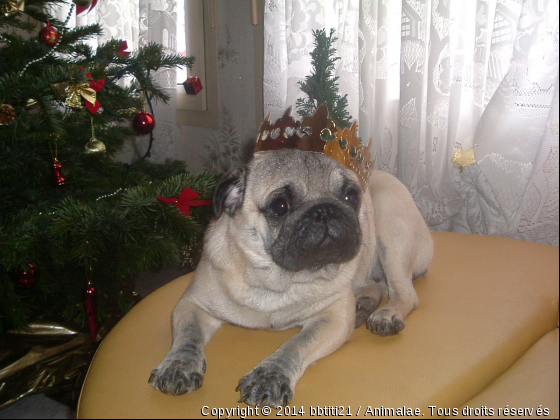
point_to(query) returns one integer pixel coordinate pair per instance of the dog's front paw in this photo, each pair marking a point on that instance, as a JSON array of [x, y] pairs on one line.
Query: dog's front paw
[[385, 322], [266, 386], [178, 375]]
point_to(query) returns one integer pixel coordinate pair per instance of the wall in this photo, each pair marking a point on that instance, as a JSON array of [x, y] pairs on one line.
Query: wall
[[240, 103]]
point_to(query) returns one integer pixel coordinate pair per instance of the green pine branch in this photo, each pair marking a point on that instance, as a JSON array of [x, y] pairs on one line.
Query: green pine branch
[[118, 235]]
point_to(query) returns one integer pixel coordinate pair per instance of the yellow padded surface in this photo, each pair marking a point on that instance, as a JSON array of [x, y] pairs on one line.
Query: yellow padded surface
[[535, 374], [485, 301]]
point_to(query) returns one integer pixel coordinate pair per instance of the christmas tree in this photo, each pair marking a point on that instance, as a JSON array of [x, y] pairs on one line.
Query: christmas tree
[[76, 226], [321, 86]]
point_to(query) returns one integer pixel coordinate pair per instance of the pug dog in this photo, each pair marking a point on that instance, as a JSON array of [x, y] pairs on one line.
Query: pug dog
[[296, 242]]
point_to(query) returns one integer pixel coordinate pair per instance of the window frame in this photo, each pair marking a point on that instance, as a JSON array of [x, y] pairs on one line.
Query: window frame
[[210, 117]]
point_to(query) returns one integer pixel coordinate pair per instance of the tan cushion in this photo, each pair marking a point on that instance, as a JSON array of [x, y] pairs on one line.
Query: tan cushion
[[485, 301], [533, 380]]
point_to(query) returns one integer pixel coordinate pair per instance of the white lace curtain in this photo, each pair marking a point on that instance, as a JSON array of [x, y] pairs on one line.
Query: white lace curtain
[[139, 22], [434, 80]]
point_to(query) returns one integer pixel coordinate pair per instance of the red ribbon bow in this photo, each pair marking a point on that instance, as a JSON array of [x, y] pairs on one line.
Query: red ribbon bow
[[96, 85], [185, 200], [80, 9]]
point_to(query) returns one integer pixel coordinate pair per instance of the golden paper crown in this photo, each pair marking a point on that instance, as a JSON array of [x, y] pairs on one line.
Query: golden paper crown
[[318, 134]]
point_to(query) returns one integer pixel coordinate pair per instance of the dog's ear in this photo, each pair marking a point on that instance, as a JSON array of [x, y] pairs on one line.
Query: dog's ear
[[230, 192]]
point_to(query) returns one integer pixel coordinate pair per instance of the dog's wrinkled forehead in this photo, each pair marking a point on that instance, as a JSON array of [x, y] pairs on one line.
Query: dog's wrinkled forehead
[[305, 172]]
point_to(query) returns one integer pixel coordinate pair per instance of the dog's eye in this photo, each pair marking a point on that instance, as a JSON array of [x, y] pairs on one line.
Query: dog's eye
[[279, 207], [351, 197]]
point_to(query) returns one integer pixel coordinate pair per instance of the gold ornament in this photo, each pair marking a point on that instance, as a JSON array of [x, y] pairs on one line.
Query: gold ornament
[[7, 114], [95, 147], [31, 104], [75, 92], [13, 6], [128, 112], [464, 158]]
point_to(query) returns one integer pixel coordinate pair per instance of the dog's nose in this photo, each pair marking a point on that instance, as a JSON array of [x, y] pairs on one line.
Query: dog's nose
[[322, 212]]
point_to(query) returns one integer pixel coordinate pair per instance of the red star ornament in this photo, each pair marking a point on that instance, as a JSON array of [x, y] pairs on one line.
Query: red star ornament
[[186, 199]]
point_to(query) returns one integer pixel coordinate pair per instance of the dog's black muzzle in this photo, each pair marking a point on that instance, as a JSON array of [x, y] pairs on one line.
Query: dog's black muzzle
[[325, 234]]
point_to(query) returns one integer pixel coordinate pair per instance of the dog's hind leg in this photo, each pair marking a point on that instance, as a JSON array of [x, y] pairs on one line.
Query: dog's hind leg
[[368, 299], [397, 260], [389, 319]]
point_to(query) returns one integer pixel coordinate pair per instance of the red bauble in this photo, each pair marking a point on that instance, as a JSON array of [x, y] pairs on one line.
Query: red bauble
[[143, 122], [28, 277], [192, 85], [57, 179], [49, 35], [91, 309]]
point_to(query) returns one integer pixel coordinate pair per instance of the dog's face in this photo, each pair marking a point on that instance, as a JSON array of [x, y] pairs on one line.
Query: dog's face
[[301, 208]]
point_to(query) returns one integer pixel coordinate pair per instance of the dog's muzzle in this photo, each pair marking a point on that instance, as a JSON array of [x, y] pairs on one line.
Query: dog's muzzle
[[325, 234]]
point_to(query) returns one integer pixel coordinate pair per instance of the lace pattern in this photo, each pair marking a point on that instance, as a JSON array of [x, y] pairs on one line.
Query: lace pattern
[[431, 78]]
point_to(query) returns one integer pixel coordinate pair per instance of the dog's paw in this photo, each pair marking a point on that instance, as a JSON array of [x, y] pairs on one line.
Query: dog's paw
[[266, 386], [178, 375], [385, 322], [365, 306]]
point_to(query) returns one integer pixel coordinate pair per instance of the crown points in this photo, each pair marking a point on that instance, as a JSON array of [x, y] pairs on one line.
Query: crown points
[[318, 133]]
